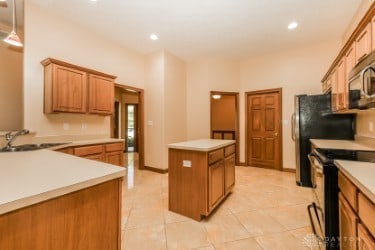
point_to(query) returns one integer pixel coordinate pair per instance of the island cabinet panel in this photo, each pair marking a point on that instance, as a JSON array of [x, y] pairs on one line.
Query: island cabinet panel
[[348, 224], [199, 180], [216, 187], [101, 95], [86, 219], [365, 240]]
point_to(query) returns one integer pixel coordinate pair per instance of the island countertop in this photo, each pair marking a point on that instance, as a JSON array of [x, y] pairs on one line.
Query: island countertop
[[361, 174], [204, 145], [27, 178]]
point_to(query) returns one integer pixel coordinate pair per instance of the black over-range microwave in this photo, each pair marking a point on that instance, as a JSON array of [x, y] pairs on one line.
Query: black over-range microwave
[[362, 84]]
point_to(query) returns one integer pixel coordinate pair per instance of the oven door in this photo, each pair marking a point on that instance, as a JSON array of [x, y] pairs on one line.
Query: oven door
[[316, 208]]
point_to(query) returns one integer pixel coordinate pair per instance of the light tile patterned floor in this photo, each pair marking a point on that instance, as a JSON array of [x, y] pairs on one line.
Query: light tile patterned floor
[[266, 210]]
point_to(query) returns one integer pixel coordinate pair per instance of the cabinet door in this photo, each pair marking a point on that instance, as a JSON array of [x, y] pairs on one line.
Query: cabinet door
[[95, 157], [350, 60], [373, 33], [101, 95], [342, 95], [115, 158], [334, 90], [215, 183], [363, 43], [348, 225], [229, 172], [69, 90], [365, 240]]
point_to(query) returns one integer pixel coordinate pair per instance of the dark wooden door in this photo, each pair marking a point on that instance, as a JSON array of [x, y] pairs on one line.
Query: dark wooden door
[[264, 129]]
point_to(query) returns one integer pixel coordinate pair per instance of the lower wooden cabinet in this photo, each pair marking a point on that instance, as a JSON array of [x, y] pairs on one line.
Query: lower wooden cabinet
[[199, 180], [348, 225], [216, 183], [365, 240], [109, 153]]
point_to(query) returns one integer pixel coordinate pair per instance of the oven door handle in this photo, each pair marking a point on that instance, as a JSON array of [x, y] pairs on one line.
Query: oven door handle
[[315, 210]]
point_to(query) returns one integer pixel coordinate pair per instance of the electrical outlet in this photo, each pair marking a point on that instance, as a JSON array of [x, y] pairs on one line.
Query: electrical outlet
[[371, 126], [186, 164], [84, 126], [66, 126]]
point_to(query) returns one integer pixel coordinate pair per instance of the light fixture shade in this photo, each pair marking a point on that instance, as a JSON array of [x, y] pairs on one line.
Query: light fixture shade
[[216, 96], [13, 39]]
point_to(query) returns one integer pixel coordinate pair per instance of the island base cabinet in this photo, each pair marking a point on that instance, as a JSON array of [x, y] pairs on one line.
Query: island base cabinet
[[216, 183], [86, 219]]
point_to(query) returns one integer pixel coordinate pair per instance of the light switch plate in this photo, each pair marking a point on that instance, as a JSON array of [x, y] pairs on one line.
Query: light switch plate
[[186, 164]]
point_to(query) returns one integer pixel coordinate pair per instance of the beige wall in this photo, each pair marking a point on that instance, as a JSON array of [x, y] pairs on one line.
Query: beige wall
[[223, 113], [175, 102], [154, 110], [49, 35], [165, 108], [11, 114], [296, 71], [203, 76]]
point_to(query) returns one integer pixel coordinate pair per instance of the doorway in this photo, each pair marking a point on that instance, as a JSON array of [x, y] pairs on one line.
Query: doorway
[[131, 127], [264, 128], [128, 118], [224, 117]]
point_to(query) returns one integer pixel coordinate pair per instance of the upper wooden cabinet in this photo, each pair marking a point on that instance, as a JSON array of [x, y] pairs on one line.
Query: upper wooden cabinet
[[359, 45], [101, 95], [74, 89], [363, 43]]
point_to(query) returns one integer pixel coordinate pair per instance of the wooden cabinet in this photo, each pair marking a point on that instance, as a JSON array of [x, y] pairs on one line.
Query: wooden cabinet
[[199, 180], [365, 240], [112, 153], [363, 43], [216, 189], [65, 89], [373, 32], [334, 90], [89, 218], [101, 95], [74, 89], [342, 89], [348, 225], [356, 217]]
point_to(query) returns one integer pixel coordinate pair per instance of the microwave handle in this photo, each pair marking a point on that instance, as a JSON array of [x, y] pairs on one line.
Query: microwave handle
[[364, 86]]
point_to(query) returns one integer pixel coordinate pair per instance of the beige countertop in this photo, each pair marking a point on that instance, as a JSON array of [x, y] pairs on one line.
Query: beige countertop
[[201, 145], [361, 174], [31, 177], [86, 142], [340, 144]]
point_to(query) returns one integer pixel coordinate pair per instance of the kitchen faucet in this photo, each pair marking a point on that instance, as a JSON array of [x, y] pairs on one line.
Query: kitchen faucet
[[11, 136]]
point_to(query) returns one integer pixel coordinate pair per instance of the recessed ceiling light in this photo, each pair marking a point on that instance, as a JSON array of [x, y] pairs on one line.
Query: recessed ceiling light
[[93, 0], [292, 25], [154, 37]]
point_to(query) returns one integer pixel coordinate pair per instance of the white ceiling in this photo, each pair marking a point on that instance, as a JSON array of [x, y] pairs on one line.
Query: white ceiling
[[191, 29]]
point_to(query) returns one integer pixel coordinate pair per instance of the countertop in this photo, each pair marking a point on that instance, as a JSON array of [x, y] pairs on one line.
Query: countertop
[[204, 145], [86, 142], [361, 174], [340, 144], [31, 177]]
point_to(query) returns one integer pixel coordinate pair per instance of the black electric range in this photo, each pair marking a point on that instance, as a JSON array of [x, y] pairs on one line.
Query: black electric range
[[323, 211]]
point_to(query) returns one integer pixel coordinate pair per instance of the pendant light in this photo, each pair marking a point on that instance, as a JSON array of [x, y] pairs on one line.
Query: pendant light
[[13, 38]]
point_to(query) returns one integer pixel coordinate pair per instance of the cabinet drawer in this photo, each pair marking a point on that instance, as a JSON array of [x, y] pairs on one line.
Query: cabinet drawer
[[110, 147], [230, 150], [88, 150], [366, 212], [215, 156], [348, 190]]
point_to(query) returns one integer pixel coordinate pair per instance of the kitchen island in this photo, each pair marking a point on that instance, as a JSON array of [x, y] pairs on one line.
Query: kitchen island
[[201, 175], [51, 200]]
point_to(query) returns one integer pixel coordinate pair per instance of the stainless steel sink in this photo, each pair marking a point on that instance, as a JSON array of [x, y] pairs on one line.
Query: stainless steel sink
[[29, 147]]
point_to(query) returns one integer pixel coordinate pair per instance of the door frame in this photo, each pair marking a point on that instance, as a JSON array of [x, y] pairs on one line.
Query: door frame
[[257, 92], [237, 129], [141, 142]]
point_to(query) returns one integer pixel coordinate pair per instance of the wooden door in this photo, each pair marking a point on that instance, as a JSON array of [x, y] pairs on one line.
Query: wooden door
[[69, 90], [373, 33], [115, 158], [101, 95], [264, 138], [350, 60]]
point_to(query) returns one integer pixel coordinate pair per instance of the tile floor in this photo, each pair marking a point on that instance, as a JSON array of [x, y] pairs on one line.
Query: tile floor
[[266, 210]]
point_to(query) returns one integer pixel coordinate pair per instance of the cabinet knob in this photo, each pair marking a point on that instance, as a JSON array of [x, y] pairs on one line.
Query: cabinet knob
[[276, 134]]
